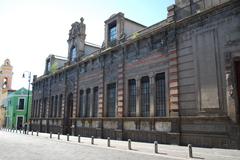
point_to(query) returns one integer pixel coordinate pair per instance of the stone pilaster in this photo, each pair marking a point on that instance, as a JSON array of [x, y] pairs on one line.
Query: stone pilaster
[[120, 91], [152, 93], [173, 83], [101, 94], [138, 96], [91, 102], [75, 100]]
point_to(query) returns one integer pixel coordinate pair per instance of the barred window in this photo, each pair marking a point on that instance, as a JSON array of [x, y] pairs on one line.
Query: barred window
[[51, 107], [60, 106], [160, 95], [44, 107], [88, 102], [35, 109], [55, 106], [81, 108], [145, 97], [132, 97], [39, 107], [111, 99], [95, 102]]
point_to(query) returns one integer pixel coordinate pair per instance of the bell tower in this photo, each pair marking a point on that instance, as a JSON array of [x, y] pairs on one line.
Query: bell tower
[[76, 41], [6, 76]]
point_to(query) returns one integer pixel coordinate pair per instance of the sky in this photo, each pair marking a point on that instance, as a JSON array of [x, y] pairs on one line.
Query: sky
[[30, 30]]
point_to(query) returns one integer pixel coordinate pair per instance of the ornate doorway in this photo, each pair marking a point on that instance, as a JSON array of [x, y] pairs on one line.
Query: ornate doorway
[[68, 114]]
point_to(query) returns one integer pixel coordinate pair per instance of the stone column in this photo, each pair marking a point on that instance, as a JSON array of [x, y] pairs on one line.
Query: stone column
[[138, 96], [152, 95]]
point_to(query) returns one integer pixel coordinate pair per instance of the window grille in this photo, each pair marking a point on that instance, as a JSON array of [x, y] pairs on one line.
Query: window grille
[[88, 103], [95, 102], [132, 98], [111, 99], [145, 97], [160, 95]]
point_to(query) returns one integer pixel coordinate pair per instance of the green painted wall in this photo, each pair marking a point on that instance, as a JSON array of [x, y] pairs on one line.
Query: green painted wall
[[12, 107]]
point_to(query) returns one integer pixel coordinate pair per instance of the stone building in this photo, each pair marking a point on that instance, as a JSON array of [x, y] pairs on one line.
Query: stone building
[[177, 81]]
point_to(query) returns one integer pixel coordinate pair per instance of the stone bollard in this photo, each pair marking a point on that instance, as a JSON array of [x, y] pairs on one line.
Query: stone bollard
[[108, 141], [92, 140], [190, 154], [67, 137], [129, 144], [27, 132], [37, 133], [58, 135], [32, 132], [79, 138], [50, 134], [155, 146]]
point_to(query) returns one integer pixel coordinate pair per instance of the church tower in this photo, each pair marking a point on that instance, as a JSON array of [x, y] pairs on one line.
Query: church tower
[[6, 76], [76, 41]]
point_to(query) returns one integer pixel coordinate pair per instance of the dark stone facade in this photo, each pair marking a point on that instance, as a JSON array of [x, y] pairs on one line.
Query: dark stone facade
[[196, 49]]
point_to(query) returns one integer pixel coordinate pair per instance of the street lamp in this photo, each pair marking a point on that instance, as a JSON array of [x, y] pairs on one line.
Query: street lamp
[[29, 81]]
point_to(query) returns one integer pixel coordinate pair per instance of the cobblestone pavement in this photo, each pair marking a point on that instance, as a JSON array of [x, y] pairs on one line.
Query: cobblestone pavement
[[16, 146]]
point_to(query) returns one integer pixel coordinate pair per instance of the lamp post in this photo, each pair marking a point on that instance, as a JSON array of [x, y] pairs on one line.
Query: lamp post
[[29, 80]]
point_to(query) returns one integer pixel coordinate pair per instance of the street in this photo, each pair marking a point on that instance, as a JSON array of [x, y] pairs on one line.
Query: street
[[16, 146]]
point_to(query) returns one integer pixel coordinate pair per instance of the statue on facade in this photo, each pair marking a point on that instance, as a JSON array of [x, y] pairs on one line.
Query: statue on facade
[[77, 29]]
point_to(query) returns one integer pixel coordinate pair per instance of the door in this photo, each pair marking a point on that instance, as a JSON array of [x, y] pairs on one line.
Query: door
[[19, 122]]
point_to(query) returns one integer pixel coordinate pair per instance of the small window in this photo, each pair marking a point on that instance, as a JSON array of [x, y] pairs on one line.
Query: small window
[[21, 104], [5, 80], [48, 65], [112, 32], [73, 54]]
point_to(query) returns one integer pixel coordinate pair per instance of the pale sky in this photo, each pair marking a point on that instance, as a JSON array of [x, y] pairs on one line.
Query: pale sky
[[30, 30]]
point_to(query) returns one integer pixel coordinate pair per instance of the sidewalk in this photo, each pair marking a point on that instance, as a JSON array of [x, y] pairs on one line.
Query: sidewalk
[[168, 151]]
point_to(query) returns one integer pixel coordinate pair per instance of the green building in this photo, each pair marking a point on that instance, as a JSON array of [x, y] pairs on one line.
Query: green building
[[17, 108]]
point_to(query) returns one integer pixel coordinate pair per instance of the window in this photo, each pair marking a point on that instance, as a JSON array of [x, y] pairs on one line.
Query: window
[[73, 54], [81, 109], [88, 103], [111, 99], [36, 108], [145, 97], [60, 106], [44, 107], [5, 83], [55, 106], [160, 95], [39, 107], [112, 32], [21, 104], [51, 107], [48, 65], [132, 97], [95, 102]]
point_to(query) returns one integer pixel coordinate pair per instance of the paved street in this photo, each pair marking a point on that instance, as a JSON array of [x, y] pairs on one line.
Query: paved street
[[27, 147]]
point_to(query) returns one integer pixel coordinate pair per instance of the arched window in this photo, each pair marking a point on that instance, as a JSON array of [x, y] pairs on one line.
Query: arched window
[[73, 54], [5, 81]]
